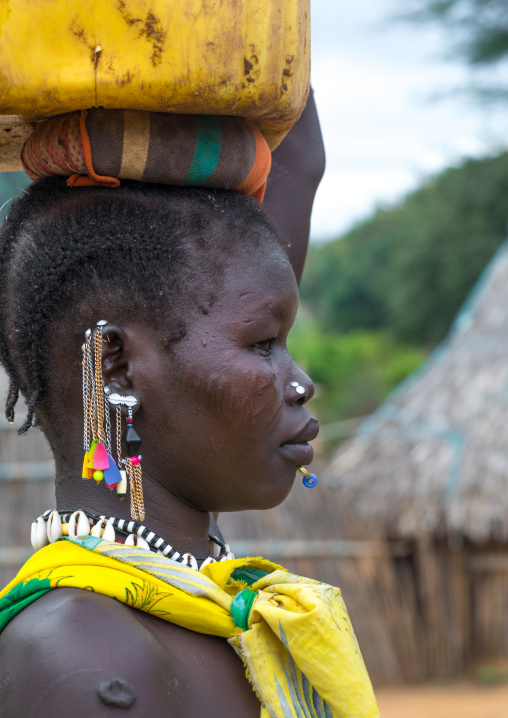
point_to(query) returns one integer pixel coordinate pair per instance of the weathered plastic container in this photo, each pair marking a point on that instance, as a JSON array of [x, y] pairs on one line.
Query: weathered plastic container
[[231, 57]]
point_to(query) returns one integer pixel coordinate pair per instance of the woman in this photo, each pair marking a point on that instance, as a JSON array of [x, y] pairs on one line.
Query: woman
[[190, 297]]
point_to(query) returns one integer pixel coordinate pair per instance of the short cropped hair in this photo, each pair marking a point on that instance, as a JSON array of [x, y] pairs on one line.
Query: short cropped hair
[[143, 251]]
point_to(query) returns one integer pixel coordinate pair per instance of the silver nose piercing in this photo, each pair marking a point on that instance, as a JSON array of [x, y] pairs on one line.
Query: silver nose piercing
[[298, 388]]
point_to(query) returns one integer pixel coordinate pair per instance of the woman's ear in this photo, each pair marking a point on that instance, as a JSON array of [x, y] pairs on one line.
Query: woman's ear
[[115, 365]]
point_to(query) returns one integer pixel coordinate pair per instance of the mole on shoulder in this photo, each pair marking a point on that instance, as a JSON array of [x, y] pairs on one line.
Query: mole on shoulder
[[116, 692]]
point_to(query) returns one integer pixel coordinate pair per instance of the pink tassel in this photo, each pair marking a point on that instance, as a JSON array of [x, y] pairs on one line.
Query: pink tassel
[[100, 458]]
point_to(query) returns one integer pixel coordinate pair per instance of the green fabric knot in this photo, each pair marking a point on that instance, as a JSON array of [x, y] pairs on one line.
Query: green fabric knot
[[241, 606]]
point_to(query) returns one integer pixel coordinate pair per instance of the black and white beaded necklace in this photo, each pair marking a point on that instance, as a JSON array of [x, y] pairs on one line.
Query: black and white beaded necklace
[[136, 533]]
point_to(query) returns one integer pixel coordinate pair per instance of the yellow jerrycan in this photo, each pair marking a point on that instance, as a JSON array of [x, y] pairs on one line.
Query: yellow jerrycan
[[229, 57]]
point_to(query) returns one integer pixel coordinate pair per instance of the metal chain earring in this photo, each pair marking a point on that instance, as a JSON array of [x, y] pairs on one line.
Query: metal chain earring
[[98, 464], [130, 442]]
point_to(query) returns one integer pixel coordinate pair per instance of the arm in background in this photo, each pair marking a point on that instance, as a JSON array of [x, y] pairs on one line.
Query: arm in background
[[298, 165]]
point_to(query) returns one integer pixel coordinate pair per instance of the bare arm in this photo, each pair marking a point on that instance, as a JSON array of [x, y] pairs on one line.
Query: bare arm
[[297, 168]]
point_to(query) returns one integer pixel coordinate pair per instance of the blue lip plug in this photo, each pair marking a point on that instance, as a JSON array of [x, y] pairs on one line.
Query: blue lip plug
[[309, 480]]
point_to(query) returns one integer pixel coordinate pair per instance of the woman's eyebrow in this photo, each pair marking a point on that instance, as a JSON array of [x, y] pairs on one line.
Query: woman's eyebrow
[[255, 320], [280, 309]]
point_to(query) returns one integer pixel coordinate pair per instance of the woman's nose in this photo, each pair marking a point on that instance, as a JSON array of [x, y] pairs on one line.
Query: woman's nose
[[301, 388]]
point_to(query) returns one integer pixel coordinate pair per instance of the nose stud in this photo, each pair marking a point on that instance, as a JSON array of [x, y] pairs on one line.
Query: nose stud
[[298, 388], [309, 480]]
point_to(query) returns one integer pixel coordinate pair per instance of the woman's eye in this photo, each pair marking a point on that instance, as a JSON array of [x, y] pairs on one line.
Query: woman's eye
[[264, 346]]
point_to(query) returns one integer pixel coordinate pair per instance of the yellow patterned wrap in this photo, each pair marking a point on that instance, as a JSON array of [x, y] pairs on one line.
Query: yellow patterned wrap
[[293, 634]]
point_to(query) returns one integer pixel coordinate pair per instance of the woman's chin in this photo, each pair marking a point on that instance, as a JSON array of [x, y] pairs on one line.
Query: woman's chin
[[264, 496]]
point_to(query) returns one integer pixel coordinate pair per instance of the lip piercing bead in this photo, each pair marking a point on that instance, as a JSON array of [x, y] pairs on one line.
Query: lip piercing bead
[[102, 322], [309, 480]]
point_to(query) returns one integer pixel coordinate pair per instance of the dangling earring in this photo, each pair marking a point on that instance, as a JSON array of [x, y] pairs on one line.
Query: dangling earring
[[98, 463], [121, 487], [130, 442]]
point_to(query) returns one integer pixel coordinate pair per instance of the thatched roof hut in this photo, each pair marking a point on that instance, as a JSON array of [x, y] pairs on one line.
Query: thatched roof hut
[[433, 459], [430, 468]]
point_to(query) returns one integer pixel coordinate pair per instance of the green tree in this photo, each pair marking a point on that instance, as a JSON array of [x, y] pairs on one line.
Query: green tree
[[408, 269], [353, 372], [478, 27]]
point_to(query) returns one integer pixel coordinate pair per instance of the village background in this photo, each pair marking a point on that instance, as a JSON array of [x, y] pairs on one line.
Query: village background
[[403, 326]]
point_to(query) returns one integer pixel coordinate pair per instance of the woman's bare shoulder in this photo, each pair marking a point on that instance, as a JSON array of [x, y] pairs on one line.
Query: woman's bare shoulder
[[81, 652], [85, 653]]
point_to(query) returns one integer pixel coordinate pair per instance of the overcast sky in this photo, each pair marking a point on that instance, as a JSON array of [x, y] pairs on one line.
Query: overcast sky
[[376, 86]]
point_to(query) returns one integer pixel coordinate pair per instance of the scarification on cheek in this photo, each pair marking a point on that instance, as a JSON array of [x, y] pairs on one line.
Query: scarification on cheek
[[226, 390]]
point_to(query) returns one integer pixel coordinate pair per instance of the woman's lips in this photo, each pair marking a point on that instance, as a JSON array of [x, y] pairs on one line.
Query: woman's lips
[[301, 452], [297, 448]]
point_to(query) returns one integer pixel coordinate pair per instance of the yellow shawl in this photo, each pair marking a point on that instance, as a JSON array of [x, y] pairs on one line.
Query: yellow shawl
[[293, 634]]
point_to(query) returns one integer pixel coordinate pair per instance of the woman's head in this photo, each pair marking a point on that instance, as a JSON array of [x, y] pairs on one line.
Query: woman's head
[[195, 285]]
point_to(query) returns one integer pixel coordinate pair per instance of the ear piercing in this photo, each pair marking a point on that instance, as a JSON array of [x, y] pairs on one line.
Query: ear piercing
[[298, 388], [98, 463], [309, 480], [115, 399]]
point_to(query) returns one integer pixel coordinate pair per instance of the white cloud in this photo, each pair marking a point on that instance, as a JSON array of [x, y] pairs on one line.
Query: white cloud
[[383, 132]]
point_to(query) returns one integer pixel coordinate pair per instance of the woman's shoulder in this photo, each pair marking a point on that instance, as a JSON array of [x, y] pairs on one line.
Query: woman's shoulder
[[82, 651], [89, 654]]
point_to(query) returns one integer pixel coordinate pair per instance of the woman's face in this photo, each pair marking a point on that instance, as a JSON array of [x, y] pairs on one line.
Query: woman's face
[[222, 427]]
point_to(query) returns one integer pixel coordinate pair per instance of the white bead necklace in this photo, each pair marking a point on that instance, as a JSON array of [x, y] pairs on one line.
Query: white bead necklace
[[54, 524]]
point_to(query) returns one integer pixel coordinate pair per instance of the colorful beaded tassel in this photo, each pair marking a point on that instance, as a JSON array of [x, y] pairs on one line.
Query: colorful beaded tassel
[[98, 462]]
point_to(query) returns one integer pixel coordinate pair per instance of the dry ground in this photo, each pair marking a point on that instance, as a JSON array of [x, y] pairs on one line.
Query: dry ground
[[464, 701]]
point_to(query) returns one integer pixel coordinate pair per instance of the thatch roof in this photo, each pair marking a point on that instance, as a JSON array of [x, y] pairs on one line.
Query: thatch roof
[[433, 459]]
